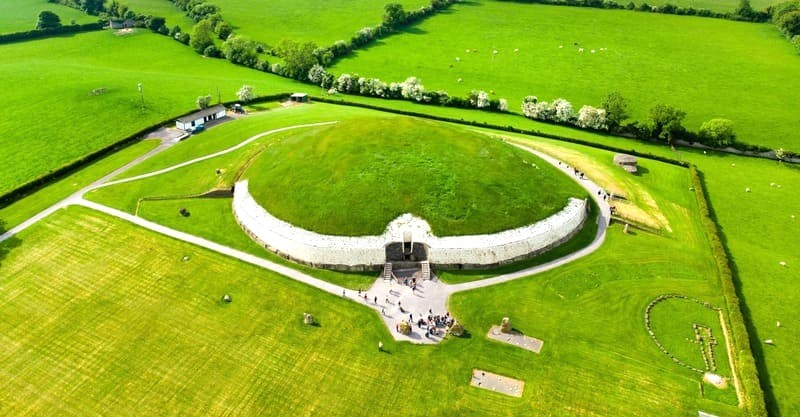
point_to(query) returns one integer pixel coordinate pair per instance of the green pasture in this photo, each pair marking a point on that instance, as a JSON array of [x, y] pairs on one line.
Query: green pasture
[[116, 329], [672, 322], [707, 67], [321, 21], [78, 122], [22, 15], [760, 232], [163, 8]]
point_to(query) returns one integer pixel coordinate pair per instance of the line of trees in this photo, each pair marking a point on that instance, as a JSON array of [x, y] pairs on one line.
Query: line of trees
[[665, 122], [744, 12]]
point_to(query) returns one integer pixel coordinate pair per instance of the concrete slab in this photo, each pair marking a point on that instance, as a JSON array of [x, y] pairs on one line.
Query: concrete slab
[[497, 383], [516, 339]]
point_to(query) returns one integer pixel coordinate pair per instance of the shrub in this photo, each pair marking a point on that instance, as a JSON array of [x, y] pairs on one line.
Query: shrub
[[212, 51], [717, 132], [563, 112], [48, 20], [412, 89], [592, 118], [316, 74]]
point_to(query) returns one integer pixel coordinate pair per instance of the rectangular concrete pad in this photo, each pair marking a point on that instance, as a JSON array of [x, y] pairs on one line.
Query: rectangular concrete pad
[[516, 339], [497, 383]]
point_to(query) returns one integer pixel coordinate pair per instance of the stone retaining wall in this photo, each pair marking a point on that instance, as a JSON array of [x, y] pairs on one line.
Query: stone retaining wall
[[368, 252]]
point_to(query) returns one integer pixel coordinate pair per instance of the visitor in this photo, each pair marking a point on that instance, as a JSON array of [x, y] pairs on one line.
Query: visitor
[[376, 300]]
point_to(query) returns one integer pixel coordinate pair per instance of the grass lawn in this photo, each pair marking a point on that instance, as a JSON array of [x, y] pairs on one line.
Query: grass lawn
[[19, 211], [172, 76], [761, 232], [22, 15], [320, 21], [141, 331], [212, 218], [163, 8], [706, 67], [354, 177]]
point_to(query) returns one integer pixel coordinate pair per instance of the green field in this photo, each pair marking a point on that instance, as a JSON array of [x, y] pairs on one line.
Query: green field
[[163, 8], [707, 67], [171, 74], [129, 325], [320, 21], [89, 328], [22, 15]]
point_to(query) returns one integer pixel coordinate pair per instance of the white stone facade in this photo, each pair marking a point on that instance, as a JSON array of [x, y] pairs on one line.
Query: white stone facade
[[368, 252]]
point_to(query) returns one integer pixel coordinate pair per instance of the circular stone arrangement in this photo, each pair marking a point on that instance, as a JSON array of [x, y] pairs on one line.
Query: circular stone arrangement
[[708, 358], [354, 177]]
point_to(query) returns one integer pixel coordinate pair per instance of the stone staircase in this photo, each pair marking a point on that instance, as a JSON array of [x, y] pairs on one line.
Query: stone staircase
[[387, 271], [426, 270]]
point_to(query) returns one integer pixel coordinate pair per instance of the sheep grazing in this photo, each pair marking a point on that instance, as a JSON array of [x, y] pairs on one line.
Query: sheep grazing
[[516, 49], [458, 59], [592, 51], [580, 49]]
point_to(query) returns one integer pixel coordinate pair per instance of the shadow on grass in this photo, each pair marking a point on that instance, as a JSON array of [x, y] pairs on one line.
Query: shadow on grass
[[756, 347], [7, 245]]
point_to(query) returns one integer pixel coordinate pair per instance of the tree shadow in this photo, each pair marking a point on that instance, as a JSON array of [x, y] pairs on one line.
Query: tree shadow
[[7, 245]]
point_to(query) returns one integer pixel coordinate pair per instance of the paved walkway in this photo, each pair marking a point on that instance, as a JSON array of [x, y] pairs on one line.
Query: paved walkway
[[395, 302]]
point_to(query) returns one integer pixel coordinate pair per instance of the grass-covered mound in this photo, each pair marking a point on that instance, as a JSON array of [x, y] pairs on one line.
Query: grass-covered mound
[[354, 177]]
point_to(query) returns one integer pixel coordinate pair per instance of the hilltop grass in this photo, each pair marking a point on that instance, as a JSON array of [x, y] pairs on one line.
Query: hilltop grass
[[354, 177], [706, 67], [320, 21], [22, 15], [147, 312], [171, 74]]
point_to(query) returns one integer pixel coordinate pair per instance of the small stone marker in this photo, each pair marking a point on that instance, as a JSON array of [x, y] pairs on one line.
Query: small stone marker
[[769, 342], [516, 339], [497, 383], [226, 298], [625, 230], [457, 329], [404, 328], [308, 318], [505, 325]]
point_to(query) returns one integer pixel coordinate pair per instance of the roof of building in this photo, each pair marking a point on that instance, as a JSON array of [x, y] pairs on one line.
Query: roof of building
[[622, 158], [201, 114], [299, 95]]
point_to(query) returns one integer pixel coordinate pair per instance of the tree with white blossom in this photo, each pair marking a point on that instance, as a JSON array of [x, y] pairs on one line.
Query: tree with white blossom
[[592, 118], [412, 89], [563, 112], [502, 105]]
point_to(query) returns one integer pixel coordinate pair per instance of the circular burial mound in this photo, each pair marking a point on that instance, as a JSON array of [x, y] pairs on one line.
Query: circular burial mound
[[354, 177]]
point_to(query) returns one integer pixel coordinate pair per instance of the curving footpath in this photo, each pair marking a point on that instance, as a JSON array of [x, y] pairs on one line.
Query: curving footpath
[[394, 301]]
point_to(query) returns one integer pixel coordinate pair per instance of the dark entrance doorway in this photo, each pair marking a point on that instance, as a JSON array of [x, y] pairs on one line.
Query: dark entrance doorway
[[406, 252]]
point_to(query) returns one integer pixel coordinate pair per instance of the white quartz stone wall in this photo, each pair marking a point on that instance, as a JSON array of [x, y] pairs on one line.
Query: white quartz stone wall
[[368, 252]]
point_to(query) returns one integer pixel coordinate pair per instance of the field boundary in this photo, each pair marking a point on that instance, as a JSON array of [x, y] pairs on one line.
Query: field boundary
[[44, 33], [55, 174], [736, 324]]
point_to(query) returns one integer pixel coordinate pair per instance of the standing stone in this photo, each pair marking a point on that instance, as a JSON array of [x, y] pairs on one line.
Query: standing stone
[[457, 329], [505, 325], [308, 318]]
